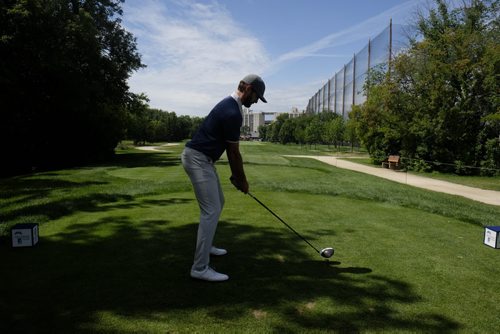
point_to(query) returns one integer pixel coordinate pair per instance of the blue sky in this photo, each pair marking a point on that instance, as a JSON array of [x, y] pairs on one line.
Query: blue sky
[[197, 51]]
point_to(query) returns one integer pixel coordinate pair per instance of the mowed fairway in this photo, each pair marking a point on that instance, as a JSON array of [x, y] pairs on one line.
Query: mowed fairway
[[116, 245]]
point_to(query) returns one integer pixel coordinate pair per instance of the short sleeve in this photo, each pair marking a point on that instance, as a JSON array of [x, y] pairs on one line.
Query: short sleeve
[[232, 127]]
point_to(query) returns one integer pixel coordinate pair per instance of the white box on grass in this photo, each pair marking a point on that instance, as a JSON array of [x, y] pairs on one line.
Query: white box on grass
[[492, 236], [24, 235]]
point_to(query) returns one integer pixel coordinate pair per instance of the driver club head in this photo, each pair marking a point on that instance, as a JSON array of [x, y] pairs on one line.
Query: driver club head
[[327, 252]]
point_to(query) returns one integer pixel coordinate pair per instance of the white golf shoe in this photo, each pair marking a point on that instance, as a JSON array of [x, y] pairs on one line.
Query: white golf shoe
[[209, 275], [217, 251]]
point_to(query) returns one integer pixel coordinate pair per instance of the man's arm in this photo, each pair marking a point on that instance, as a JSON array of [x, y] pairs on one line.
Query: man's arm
[[238, 177]]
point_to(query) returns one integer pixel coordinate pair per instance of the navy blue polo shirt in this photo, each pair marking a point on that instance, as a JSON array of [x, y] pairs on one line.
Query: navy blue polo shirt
[[222, 125]]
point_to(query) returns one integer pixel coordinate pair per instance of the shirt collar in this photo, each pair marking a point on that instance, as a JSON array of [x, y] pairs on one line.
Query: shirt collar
[[237, 99]]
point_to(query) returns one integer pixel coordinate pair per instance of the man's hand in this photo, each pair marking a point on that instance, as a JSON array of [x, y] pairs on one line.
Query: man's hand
[[240, 185]]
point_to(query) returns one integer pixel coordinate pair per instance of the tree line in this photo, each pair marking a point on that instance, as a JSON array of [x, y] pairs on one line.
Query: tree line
[[149, 125], [322, 128]]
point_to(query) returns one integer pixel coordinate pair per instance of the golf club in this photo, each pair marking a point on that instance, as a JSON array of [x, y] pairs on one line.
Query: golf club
[[325, 252]]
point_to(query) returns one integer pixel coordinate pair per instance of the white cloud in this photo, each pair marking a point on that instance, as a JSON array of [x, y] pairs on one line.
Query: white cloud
[[291, 96], [361, 31], [194, 54]]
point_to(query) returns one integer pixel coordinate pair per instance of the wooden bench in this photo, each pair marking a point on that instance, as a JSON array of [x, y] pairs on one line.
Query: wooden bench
[[392, 162]]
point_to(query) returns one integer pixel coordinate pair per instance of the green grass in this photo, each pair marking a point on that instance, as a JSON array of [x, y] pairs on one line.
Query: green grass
[[483, 182], [116, 244]]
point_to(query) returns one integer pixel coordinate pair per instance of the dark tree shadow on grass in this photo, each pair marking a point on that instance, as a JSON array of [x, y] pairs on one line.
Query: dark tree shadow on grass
[[139, 270], [24, 189], [20, 196]]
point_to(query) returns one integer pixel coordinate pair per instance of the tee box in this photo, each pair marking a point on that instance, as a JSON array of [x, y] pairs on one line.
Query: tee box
[[24, 235], [492, 236]]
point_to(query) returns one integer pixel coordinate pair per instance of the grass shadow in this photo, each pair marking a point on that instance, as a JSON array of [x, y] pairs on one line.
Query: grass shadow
[[139, 270], [25, 188], [51, 195], [28, 198], [66, 206]]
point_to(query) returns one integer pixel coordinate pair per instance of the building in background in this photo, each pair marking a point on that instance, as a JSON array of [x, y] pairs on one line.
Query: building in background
[[295, 113], [253, 119]]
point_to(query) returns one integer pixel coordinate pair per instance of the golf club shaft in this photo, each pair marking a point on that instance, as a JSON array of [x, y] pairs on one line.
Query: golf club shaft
[[281, 220]]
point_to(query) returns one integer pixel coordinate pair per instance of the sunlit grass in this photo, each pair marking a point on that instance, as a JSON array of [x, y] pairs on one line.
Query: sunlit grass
[[116, 244]]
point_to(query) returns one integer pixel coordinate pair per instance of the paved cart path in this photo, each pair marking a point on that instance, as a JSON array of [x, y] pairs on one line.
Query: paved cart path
[[485, 196], [155, 148]]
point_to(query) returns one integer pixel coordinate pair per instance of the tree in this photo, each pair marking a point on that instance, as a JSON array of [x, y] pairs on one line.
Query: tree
[[286, 134], [195, 125], [185, 125], [63, 81], [155, 125], [435, 102], [300, 128], [314, 130], [136, 125], [276, 126], [350, 134], [334, 130], [263, 129]]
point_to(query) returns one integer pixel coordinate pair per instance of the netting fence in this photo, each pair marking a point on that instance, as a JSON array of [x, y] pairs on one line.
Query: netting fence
[[345, 88]]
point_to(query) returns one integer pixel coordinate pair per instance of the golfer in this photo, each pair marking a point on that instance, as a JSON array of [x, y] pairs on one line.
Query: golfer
[[219, 132]]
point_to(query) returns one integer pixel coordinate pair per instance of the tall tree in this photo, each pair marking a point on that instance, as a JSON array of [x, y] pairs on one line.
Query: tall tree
[[287, 130], [437, 102], [334, 130], [314, 130], [64, 67]]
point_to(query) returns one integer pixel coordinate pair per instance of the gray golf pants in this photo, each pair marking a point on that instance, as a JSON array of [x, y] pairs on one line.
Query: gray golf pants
[[201, 170]]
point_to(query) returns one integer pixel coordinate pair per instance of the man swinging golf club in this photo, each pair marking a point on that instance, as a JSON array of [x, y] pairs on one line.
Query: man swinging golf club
[[219, 132]]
